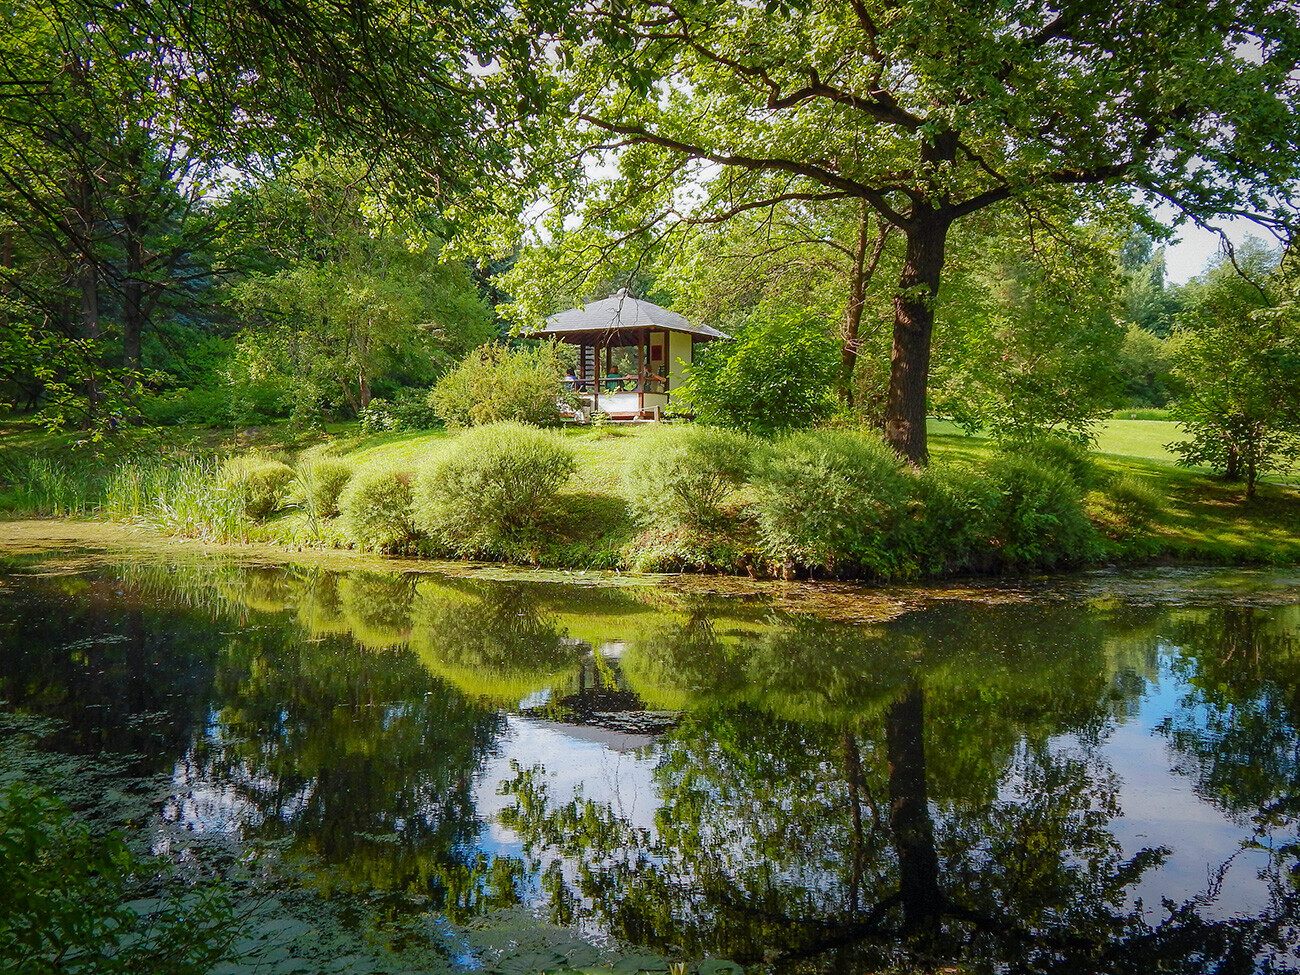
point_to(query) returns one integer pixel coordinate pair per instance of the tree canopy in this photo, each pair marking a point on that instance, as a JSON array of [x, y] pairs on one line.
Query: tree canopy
[[928, 112]]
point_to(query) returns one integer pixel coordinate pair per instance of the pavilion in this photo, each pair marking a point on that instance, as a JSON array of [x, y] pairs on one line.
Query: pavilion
[[632, 354]]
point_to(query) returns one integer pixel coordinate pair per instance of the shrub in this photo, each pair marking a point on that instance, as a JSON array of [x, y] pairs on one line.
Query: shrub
[[1058, 453], [496, 383], [1037, 517], [410, 409], [376, 510], [779, 372], [490, 490], [681, 474], [377, 416], [318, 483], [955, 528], [838, 500], [66, 902], [258, 485]]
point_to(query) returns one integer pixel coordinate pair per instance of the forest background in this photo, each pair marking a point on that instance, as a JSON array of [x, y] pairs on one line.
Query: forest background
[[222, 215]]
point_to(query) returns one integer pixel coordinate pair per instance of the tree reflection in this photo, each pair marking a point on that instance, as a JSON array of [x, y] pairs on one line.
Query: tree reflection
[[1236, 734], [357, 756], [816, 820]]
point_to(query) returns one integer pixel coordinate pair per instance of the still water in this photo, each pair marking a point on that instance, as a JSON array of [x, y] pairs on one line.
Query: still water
[[437, 773]]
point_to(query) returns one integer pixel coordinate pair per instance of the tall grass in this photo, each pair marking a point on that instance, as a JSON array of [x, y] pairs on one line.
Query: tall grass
[[40, 487], [185, 497]]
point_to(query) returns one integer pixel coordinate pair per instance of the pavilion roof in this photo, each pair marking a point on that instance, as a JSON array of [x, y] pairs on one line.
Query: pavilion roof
[[621, 311]]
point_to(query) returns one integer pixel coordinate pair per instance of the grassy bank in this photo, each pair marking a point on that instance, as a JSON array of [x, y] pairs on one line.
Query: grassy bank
[[175, 480]]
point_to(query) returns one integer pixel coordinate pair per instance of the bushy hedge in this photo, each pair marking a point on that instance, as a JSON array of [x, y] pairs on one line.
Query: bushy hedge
[[376, 510], [258, 485], [319, 482], [496, 383], [838, 501], [1135, 502], [955, 520], [1037, 518], [491, 489], [680, 475]]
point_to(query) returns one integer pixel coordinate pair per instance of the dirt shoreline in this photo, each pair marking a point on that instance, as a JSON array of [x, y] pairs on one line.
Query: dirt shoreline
[[64, 546]]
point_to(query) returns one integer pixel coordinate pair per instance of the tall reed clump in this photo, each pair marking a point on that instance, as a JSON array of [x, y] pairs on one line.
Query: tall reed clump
[[177, 497], [41, 487], [491, 490], [376, 509], [682, 474], [837, 501]]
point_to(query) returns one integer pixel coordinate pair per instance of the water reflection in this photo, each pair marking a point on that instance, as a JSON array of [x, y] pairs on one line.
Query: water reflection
[[949, 787]]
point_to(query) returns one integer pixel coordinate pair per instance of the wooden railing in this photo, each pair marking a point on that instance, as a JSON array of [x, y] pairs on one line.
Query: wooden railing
[[616, 384]]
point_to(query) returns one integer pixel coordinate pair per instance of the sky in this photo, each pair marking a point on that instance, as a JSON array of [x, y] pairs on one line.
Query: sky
[[1187, 256]]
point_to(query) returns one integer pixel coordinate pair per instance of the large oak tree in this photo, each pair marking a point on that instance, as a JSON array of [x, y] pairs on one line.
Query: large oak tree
[[928, 112]]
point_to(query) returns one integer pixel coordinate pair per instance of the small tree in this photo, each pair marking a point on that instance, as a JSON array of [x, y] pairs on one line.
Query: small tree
[[1236, 361], [779, 373]]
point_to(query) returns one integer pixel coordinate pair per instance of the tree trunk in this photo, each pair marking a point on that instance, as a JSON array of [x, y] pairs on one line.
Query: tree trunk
[[1232, 470], [132, 296], [909, 367], [853, 769], [86, 274], [909, 811]]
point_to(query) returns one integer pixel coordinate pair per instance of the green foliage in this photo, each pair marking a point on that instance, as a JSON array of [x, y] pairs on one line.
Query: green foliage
[[1143, 367], [1136, 503], [778, 372], [1031, 341], [490, 490], [1068, 456], [1037, 518], [1236, 357], [681, 474], [376, 510], [496, 383], [955, 530], [38, 486], [675, 547], [65, 908], [258, 485], [318, 482], [836, 500], [410, 410], [184, 497], [357, 292]]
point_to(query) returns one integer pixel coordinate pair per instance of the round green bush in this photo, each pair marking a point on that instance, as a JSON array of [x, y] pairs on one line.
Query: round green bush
[[490, 490], [1037, 519], [495, 383], [837, 500], [376, 510], [319, 482], [681, 474], [258, 485]]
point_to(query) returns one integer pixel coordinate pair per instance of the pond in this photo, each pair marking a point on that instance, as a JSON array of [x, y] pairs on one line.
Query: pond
[[425, 772]]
